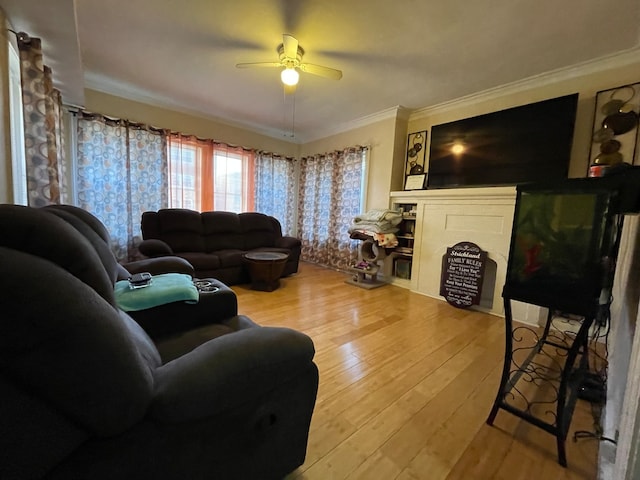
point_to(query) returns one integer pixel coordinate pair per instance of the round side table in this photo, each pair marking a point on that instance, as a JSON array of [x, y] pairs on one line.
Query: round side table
[[265, 269]]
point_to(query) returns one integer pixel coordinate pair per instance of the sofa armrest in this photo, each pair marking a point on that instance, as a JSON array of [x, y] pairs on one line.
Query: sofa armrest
[[179, 317], [153, 247], [157, 266], [288, 242], [227, 371]]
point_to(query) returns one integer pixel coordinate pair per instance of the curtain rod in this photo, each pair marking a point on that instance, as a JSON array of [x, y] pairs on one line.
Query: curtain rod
[[354, 148], [75, 110]]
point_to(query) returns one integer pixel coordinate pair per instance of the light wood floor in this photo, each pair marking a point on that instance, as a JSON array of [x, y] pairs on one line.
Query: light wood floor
[[406, 384]]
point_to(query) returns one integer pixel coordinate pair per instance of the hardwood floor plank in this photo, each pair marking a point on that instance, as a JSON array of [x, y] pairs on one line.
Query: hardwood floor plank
[[406, 384], [458, 383], [484, 454], [376, 466], [446, 444]]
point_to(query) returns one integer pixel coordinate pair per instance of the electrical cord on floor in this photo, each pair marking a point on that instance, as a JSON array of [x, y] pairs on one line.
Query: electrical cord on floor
[[597, 433], [597, 380], [579, 434]]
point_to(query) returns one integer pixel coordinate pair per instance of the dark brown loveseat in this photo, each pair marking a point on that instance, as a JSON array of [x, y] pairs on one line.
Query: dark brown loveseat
[[215, 242]]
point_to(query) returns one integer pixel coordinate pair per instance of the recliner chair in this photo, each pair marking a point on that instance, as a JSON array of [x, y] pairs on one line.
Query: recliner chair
[[86, 395]]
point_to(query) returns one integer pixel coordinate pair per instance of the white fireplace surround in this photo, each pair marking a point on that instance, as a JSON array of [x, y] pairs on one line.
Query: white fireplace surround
[[483, 216]]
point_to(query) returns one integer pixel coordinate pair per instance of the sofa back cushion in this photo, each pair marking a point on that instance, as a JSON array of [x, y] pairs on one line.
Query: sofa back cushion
[[94, 231], [60, 341], [222, 231], [38, 232], [180, 228], [190, 231], [62, 338], [258, 230]]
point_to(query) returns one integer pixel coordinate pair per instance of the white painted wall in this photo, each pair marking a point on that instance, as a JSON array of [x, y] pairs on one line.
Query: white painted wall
[[623, 385]]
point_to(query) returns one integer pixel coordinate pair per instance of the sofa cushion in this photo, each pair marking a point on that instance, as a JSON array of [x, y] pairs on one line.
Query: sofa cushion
[[257, 230], [154, 247], [203, 261], [93, 230], [32, 230], [181, 229], [230, 258], [221, 231]]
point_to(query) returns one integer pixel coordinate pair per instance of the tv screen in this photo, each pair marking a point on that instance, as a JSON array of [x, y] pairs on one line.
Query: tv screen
[[529, 143]]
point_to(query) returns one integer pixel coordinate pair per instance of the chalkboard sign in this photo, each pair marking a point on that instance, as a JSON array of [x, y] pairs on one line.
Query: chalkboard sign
[[462, 274]]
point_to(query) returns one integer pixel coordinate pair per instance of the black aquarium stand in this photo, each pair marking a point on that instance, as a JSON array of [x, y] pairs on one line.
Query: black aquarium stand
[[562, 257], [543, 373]]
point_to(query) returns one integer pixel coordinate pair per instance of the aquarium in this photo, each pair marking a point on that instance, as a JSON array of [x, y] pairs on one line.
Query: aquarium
[[563, 246]]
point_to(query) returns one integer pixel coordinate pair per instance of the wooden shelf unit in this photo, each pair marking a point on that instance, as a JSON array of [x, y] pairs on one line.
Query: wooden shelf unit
[[402, 255]]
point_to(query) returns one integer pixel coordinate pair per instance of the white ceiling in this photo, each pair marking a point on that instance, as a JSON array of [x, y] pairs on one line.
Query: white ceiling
[[410, 53]]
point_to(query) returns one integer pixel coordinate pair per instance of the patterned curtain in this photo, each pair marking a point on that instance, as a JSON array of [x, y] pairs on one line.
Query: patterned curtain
[[43, 127], [275, 189], [330, 197], [121, 173]]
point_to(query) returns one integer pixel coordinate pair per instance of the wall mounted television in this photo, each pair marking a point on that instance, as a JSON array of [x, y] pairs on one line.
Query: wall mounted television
[[529, 143]]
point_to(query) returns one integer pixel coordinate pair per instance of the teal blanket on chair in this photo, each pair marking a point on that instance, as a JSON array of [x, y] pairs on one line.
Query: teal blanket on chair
[[165, 288]]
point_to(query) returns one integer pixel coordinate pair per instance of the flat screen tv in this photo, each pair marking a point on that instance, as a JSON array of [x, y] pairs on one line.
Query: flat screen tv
[[529, 143]]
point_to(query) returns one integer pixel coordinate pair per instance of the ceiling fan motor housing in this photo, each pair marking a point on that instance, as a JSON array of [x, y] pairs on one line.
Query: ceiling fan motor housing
[[290, 62]]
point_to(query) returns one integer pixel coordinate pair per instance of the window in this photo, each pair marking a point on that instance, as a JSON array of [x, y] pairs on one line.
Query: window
[[182, 177], [205, 175], [228, 181]]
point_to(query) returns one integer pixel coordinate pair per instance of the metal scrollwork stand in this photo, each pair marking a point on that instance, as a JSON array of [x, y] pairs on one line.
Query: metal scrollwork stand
[[542, 388], [544, 369]]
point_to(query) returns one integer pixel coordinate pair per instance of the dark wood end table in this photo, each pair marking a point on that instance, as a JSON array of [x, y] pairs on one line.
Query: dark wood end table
[[265, 269]]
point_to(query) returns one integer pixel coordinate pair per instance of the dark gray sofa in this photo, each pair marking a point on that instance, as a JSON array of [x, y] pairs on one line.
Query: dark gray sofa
[[86, 394], [215, 242]]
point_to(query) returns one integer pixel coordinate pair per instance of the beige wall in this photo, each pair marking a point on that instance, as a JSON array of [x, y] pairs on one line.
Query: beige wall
[[587, 84], [110, 105]]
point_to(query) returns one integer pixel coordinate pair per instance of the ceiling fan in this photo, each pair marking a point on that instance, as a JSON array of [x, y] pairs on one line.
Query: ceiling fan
[[291, 54]]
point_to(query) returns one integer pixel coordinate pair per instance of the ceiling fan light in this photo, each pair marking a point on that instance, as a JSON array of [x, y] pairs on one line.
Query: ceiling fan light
[[289, 76]]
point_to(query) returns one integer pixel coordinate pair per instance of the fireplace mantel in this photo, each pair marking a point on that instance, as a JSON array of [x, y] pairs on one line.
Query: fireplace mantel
[[444, 217]]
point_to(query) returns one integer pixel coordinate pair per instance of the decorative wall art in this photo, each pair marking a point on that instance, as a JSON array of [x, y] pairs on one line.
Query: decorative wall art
[[415, 182], [615, 127], [415, 165]]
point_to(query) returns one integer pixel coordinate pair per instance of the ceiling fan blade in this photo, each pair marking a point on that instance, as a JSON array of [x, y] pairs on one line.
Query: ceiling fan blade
[[290, 45], [321, 71], [258, 64]]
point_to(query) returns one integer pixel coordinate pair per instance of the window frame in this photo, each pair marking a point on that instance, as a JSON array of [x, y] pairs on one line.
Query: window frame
[[228, 199], [16, 122]]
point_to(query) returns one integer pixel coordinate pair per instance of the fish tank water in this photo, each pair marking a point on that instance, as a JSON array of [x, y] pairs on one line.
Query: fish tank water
[[563, 247]]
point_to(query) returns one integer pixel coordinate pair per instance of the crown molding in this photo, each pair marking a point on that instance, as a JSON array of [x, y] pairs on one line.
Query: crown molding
[[98, 84], [397, 112], [55, 24], [621, 59], [628, 57], [116, 89]]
